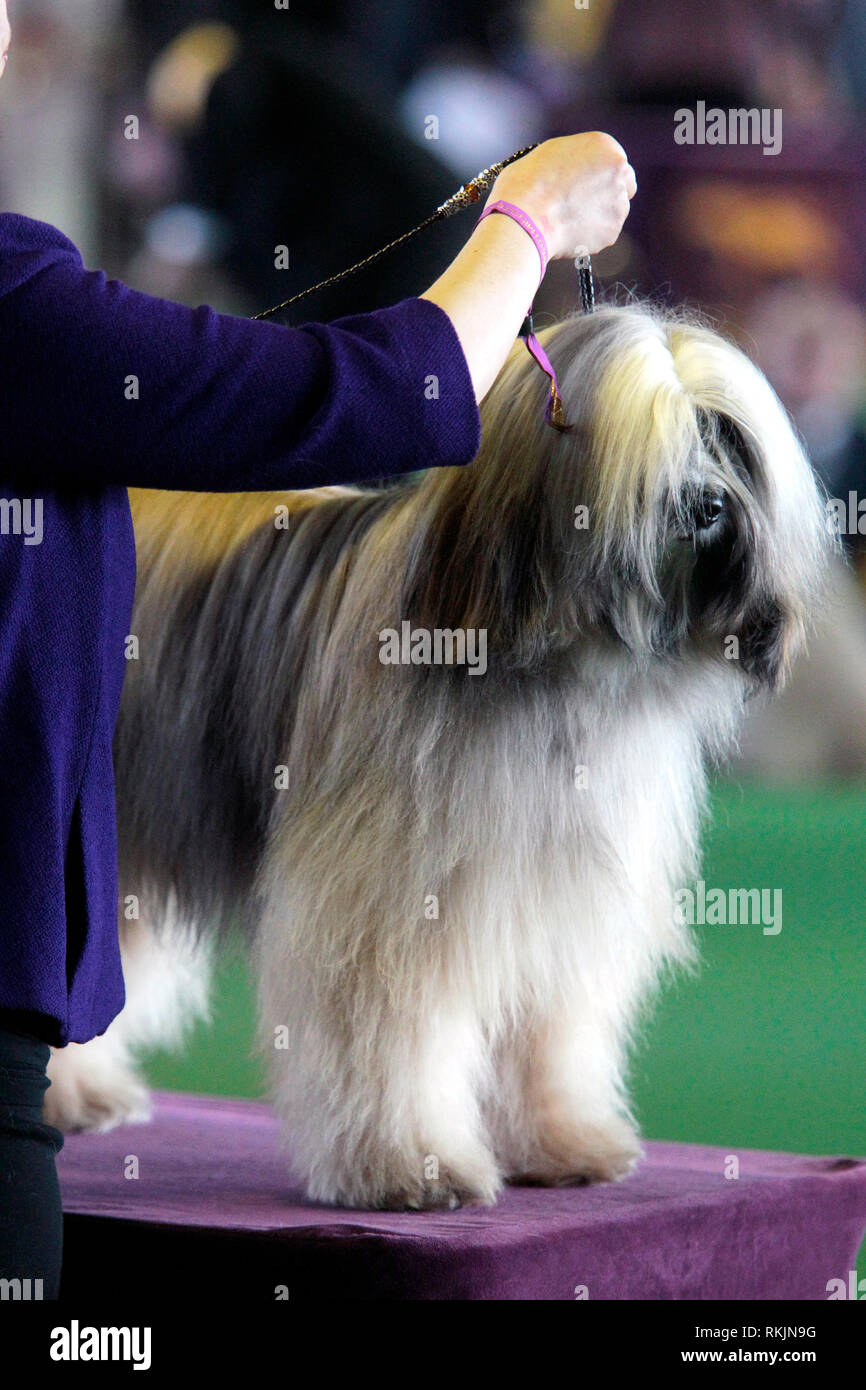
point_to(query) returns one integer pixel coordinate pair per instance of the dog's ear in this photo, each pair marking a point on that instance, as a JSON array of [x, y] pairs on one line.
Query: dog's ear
[[473, 568], [443, 584]]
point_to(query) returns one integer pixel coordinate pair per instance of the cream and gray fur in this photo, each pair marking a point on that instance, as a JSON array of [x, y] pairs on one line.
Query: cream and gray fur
[[463, 896]]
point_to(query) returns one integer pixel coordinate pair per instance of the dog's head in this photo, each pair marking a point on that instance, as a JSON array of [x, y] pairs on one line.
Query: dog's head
[[678, 514]]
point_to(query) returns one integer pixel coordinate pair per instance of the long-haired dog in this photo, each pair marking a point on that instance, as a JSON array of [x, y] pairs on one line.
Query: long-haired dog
[[458, 876]]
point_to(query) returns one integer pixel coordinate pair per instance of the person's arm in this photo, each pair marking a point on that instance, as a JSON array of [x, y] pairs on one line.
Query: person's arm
[[104, 385]]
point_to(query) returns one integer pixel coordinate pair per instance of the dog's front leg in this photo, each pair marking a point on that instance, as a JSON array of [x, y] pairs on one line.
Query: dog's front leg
[[567, 1118], [378, 1098]]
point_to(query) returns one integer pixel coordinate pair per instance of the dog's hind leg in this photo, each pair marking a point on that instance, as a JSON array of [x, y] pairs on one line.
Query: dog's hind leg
[[96, 1085]]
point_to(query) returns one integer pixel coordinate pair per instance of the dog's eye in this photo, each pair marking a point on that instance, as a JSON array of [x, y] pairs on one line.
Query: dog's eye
[[707, 509], [704, 508]]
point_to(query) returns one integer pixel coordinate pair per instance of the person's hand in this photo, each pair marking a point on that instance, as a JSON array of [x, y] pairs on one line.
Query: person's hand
[[575, 188], [5, 36]]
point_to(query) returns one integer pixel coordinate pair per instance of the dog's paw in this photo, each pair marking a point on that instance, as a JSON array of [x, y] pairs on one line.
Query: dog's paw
[[422, 1183], [83, 1097], [446, 1192], [566, 1156]]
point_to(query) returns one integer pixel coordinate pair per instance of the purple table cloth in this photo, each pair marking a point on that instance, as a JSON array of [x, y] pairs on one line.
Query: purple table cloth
[[213, 1209]]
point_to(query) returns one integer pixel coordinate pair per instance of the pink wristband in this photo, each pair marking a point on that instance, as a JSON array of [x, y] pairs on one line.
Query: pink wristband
[[553, 410], [525, 221]]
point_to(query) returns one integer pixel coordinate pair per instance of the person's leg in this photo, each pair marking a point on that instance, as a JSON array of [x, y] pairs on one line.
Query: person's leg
[[31, 1220]]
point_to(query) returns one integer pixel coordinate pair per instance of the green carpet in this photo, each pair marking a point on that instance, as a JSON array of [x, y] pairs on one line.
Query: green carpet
[[764, 1048]]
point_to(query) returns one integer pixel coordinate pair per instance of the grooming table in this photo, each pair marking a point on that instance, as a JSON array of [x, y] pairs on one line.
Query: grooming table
[[213, 1210]]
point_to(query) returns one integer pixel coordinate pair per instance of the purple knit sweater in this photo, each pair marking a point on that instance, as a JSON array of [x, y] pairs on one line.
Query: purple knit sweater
[[103, 388]]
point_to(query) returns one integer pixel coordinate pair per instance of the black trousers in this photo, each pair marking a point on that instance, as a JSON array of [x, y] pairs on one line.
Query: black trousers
[[31, 1222]]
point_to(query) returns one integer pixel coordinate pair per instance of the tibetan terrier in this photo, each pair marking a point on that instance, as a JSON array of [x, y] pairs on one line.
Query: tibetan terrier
[[440, 752]]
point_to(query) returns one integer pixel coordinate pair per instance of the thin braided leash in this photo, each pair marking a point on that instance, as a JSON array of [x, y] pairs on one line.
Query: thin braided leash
[[466, 195]]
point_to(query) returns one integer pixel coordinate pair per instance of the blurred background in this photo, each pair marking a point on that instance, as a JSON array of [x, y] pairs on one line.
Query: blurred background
[[178, 142]]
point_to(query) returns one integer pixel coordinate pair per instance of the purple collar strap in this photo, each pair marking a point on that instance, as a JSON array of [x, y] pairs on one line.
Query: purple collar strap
[[553, 410]]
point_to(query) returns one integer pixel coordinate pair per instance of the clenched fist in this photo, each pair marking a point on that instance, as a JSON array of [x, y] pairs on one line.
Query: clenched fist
[[577, 188]]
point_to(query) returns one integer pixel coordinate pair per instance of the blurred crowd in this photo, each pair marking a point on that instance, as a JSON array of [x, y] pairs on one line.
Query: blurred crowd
[[179, 142]]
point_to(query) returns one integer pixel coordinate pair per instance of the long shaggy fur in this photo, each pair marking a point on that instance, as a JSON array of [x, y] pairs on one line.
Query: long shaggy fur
[[459, 888]]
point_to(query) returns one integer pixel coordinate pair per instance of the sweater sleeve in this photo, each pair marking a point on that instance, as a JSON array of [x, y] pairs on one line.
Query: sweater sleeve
[[104, 385]]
